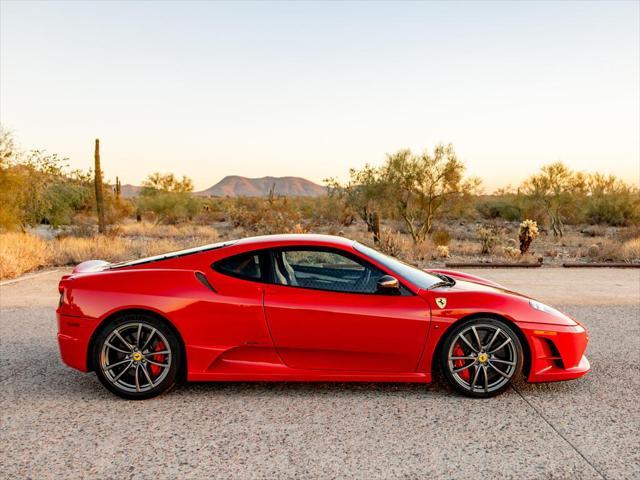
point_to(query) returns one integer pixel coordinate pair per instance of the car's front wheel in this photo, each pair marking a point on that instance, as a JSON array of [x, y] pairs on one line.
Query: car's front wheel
[[481, 357], [136, 356]]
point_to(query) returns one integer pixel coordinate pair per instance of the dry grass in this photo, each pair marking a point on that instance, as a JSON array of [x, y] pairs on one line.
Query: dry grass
[[151, 230], [23, 252], [631, 250]]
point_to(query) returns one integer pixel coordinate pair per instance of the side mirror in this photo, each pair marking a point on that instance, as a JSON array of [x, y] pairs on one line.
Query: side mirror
[[388, 285]]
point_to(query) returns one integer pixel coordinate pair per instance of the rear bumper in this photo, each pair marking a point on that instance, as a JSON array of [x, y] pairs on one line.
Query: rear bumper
[[557, 352], [74, 334]]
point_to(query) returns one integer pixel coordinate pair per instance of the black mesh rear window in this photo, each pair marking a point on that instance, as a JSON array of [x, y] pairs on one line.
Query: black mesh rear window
[[246, 265]]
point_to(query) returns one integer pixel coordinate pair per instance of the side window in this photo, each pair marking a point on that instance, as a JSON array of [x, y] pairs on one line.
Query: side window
[[246, 266], [324, 270]]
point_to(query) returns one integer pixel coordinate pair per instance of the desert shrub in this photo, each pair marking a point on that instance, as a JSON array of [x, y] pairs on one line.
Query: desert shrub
[[443, 251], [37, 188], [613, 209], [463, 247], [488, 239], [264, 216], [527, 232], [168, 207], [441, 237], [607, 250], [511, 252], [631, 250], [628, 233], [499, 208], [168, 198], [420, 252], [391, 243]]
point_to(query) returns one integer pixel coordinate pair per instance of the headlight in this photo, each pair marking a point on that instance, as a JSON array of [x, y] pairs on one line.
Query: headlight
[[545, 308]]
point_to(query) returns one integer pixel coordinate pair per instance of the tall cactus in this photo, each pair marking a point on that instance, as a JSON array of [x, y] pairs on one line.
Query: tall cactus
[[97, 181], [118, 189]]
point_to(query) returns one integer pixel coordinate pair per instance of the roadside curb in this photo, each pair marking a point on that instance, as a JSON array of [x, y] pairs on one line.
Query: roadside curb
[[492, 265], [26, 277], [601, 265]]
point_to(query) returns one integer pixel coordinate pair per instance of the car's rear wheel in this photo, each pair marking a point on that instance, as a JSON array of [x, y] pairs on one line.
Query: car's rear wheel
[[136, 356], [481, 357]]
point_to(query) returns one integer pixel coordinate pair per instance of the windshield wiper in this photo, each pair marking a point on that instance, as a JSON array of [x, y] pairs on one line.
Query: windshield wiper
[[446, 281]]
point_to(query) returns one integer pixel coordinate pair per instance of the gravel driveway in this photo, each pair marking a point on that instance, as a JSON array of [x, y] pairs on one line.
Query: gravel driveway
[[59, 423]]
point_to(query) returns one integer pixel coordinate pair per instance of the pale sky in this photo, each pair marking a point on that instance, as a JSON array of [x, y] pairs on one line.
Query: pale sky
[[311, 89]]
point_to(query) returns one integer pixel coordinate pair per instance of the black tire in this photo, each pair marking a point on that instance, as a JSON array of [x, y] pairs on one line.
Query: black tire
[[115, 354], [465, 367]]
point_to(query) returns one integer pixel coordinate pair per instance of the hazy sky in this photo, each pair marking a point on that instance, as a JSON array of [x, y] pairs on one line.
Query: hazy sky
[[311, 89]]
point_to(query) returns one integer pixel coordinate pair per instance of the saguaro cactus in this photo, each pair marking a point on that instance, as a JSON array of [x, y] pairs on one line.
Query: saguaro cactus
[[118, 188], [97, 181]]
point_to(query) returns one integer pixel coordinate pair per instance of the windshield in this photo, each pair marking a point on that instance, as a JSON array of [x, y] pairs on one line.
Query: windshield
[[418, 277]]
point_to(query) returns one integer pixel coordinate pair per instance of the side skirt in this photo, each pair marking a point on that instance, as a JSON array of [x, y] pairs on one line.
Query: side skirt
[[310, 376]]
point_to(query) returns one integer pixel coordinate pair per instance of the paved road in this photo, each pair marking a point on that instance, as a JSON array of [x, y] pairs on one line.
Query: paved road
[[57, 423]]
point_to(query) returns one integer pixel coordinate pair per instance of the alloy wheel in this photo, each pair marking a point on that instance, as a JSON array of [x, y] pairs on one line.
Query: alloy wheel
[[482, 358], [135, 357]]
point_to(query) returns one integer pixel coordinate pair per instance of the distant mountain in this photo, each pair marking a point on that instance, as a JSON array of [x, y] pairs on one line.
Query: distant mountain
[[130, 191], [236, 186]]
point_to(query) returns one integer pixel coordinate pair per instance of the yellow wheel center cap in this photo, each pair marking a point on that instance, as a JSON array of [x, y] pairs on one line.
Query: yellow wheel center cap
[[137, 356], [483, 357]]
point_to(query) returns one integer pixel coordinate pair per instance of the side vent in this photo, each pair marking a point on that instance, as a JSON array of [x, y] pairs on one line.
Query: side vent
[[203, 280], [555, 354]]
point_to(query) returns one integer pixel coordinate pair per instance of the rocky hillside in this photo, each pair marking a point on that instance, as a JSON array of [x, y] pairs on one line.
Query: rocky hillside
[[236, 186]]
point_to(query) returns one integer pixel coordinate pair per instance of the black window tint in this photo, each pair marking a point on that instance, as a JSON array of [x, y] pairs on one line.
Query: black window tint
[[324, 270], [246, 265]]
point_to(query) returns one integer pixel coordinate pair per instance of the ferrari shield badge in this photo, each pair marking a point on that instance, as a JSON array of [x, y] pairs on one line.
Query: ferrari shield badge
[[441, 302]]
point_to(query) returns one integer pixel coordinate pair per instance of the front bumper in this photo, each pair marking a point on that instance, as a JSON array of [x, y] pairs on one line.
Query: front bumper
[[557, 352], [74, 334]]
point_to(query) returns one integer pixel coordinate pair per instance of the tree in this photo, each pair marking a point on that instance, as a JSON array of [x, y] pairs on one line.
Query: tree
[[363, 193], [611, 201], [166, 182], [421, 185], [168, 197], [11, 183], [556, 188]]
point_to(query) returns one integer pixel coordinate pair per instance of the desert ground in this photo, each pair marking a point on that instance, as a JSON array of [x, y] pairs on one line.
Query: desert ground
[[59, 423]]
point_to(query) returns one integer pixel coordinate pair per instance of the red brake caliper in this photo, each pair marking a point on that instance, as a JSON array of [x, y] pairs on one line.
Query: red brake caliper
[[458, 352], [155, 369]]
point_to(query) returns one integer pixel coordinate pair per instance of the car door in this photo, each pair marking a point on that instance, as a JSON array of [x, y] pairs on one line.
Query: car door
[[324, 312]]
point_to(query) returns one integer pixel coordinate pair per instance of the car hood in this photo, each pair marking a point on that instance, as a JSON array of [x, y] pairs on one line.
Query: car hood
[[472, 294], [458, 276]]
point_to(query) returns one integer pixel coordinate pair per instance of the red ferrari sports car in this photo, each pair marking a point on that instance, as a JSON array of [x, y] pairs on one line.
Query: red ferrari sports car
[[305, 308]]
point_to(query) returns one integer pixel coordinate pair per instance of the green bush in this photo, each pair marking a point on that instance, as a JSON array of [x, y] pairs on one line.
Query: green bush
[[615, 210], [492, 209]]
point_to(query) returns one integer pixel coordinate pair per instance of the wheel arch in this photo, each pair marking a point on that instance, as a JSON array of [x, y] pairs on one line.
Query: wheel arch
[[435, 364], [182, 372]]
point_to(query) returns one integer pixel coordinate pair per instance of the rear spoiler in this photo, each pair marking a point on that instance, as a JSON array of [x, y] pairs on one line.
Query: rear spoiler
[[90, 266]]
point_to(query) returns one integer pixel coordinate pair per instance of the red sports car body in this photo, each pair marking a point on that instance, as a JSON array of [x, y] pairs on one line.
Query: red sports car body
[[304, 308]]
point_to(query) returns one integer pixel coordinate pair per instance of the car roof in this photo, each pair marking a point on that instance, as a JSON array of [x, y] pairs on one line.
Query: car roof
[[265, 241]]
